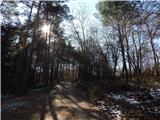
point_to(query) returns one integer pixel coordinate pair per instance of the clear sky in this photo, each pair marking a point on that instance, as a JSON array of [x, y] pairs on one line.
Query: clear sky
[[73, 4], [90, 4]]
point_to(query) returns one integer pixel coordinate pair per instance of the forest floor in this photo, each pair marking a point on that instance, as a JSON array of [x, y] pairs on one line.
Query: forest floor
[[125, 102], [67, 101], [63, 102]]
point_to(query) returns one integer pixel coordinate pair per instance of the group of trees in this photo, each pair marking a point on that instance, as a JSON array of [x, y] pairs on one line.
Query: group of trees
[[126, 44], [136, 27], [34, 51]]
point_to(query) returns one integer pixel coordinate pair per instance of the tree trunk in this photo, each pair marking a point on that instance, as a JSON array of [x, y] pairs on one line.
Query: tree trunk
[[123, 55]]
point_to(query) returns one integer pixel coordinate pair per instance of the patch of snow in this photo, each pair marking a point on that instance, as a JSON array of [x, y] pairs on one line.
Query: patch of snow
[[53, 92], [155, 109], [13, 105], [115, 110], [102, 107], [66, 86], [117, 97], [122, 97], [17, 104], [108, 95], [131, 101], [59, 86], [155, 93], [6, 96], [114, 96]]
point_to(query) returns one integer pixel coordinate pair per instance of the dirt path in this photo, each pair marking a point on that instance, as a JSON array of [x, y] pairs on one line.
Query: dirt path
[[65, 102]]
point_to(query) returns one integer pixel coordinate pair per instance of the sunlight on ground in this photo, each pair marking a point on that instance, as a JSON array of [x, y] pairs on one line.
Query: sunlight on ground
[[48, 116]]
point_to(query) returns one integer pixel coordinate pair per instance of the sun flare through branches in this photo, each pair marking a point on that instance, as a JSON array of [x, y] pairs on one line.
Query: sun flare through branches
[[45, 28]]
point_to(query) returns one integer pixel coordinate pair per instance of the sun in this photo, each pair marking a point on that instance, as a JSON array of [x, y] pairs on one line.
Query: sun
[[45, 28]]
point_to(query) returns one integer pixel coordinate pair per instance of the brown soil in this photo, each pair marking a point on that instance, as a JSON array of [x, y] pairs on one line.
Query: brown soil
[[65, 102]]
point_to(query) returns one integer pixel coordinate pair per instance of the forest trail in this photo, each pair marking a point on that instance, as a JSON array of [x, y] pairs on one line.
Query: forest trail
[[64, 102]]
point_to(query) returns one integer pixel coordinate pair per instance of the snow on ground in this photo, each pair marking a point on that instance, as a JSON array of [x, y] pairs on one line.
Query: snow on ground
[[16, 103], [6, 96], [117, 114], [131, 101], [155, 93], [114, 111], [13, 105], [122, 97], [145, 100]]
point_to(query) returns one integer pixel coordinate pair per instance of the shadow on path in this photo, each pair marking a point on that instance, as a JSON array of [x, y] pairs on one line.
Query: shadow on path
[[64, 102]]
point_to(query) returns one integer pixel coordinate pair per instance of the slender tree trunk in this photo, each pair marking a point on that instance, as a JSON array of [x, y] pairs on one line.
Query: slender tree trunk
[[129, 61], [123, 55], [73, 72], [51, 73], [115, 66], [155, 57]]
